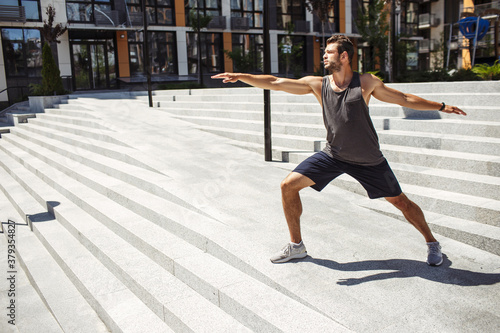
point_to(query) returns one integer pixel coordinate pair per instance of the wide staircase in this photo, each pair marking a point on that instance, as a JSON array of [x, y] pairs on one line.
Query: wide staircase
[[131, 219], [448, 164]]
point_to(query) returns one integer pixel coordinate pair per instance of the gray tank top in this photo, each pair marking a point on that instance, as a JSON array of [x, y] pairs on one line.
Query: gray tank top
[[351, 136]]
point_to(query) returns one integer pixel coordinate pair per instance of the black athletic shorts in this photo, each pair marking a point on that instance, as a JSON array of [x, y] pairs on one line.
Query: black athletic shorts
[[378, 180]]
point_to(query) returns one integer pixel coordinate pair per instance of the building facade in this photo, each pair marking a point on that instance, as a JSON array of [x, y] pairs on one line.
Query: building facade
[[104, 45]]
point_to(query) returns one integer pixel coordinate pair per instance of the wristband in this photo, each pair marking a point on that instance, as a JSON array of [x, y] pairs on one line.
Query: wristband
[[442, 107]]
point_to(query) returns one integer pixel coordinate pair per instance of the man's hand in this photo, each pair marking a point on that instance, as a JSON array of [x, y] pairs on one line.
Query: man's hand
[[453, 109], [227, 77]]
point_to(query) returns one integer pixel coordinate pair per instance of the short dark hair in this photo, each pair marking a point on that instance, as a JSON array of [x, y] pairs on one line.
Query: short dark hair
[[343, 44]]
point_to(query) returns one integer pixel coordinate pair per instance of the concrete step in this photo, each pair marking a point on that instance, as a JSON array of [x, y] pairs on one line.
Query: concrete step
[[442, 159], [457, 126], [72, 120], [140, 177], [449, 142], [472, 208], [118, 152], [465, 87], [118, 307], [297, 142], [475, 113], [86, 114], [481, 236], [460, 126], [212, 278], [29, 312], [96, 134]]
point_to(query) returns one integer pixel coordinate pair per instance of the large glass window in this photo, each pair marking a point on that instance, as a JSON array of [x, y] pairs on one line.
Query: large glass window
[[83, 10], [291, 53], [31, 8], [211, 52], [252, 9], [290, 11], [206, 7], [409, 19], [248, 52], [22, 49], [160, 12], [162, 53]]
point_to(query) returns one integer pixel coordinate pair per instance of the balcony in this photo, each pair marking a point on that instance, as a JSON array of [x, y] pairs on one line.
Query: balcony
[[12, 14], [217, 22], [428, 45], [240, 23], [302, 26], [427, 20], [107, 18]]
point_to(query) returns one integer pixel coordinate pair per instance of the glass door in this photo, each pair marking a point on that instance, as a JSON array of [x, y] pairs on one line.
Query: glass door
[[93, 65]]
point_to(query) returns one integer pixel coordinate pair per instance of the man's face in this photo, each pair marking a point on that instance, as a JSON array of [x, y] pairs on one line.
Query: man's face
[[331, 58]]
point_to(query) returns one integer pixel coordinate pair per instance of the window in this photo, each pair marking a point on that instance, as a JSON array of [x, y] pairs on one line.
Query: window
[[290, 11], [252, 9], [31, 7], [83, 10], [409, 19], [212, 56], [249, 51], [162, 51], [136, 53], [291, 53], [22, 49], [207, 7], [160, 12]]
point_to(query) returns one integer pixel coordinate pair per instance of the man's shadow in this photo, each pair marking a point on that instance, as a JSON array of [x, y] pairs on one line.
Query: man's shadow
[[404, 268]]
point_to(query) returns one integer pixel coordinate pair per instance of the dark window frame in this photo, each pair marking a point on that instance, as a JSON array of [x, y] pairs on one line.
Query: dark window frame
[[253, 14], [25, 49], [296, 11], [92, 4]]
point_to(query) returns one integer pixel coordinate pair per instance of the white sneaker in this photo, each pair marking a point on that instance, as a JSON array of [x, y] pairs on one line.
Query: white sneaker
[[290, 251]]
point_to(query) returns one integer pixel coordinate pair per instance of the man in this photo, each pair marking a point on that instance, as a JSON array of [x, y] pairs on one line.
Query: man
[[352, 143]]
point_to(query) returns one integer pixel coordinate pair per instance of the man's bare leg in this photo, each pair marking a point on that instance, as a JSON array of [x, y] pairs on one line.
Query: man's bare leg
[[413, 214], [292, 205]]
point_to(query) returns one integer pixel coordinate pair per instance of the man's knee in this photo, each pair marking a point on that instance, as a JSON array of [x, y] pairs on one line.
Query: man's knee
[[294, 182], [401, 202]]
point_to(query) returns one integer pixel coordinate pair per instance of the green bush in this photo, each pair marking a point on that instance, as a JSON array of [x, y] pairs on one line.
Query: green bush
[[487, 72], [51, 76], [464, 75]]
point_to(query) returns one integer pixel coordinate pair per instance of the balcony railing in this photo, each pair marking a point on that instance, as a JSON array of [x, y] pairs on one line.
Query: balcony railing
[[428, 45], [240, 23], [217, 22], [428, 20], [12, 14]]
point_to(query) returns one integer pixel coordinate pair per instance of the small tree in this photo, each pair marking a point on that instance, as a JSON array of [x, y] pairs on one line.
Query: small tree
[[197, 23], [50, 32], [51, 76], [373, 26], [321, 8]]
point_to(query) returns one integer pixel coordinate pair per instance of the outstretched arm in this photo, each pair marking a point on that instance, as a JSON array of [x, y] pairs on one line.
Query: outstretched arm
[[389, 95], [305, 85]]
